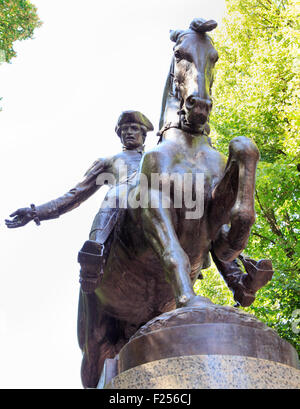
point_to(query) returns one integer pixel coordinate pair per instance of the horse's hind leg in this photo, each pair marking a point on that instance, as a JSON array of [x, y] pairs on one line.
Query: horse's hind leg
[[160, 233], [233, 200]]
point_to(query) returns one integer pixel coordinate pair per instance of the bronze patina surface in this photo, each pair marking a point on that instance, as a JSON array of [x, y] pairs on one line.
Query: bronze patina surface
[[156, 252]]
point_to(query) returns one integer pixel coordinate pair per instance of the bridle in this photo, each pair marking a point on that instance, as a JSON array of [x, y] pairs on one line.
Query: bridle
[[174, 92]]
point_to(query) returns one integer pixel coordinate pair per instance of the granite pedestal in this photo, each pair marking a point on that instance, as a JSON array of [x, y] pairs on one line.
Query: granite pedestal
[[208, 346]]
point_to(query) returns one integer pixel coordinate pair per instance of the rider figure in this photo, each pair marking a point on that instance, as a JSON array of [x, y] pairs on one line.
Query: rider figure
[[118, 172]]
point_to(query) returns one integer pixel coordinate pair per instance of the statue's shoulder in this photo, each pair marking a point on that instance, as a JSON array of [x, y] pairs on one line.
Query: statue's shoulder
[[98, 166], [118, 156], [117, 160]]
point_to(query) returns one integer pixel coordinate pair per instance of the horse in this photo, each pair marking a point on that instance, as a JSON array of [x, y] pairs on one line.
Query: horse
[[156, 251]]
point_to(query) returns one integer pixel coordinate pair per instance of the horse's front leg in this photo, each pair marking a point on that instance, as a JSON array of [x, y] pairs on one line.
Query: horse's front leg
[[233, 200], [159, 231]]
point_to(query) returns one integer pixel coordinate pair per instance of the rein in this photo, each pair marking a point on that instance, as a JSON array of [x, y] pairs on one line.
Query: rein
[[177, 125]]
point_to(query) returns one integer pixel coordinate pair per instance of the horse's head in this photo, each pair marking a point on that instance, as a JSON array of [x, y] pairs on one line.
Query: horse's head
[[193, 72]]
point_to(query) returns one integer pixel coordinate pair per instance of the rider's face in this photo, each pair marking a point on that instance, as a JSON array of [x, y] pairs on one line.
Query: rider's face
[[131, 135]]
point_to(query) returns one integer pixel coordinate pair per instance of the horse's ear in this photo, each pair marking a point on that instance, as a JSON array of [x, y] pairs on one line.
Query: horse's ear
[[201, 26], [174, 34]]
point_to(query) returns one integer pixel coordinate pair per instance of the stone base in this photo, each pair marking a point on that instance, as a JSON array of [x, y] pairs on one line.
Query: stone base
[[208, 372], [204, 346]]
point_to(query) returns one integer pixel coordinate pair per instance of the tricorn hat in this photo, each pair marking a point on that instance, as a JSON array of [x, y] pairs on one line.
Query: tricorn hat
[[134, 117]]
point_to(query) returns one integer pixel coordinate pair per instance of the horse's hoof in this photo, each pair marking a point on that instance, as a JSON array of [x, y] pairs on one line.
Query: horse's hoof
[[195, 301], [243, 298], [259, 273]]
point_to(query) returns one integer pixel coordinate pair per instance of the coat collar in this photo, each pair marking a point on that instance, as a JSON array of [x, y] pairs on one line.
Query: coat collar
[[140, 149]]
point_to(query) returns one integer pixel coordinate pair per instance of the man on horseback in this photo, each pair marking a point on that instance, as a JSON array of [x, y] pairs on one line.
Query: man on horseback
[[118, 172], [157, 253]]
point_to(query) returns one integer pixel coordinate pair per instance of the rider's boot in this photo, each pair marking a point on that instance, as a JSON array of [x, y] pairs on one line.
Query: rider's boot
[[90, 258]]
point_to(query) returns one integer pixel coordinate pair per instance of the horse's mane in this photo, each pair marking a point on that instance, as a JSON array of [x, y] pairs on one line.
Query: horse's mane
[[168, 91]]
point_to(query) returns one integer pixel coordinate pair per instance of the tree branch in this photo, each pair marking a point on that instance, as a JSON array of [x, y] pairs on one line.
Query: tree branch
[[270, 216], [264, 6], [263, 237]]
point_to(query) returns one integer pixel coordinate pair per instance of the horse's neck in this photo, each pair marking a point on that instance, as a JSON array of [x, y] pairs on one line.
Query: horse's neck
[[186, 141]]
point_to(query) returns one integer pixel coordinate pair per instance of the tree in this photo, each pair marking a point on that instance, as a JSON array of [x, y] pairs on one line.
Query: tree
[[18, 20], [256, 94]]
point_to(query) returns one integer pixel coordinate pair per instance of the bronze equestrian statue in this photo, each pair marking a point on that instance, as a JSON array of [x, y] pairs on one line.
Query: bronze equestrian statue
[[156, 252]]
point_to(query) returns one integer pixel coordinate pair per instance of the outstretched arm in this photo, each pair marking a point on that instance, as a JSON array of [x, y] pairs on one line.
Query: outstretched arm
[[63, 204]]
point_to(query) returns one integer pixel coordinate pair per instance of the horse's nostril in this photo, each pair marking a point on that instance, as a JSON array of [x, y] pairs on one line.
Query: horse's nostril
[[193, 102]]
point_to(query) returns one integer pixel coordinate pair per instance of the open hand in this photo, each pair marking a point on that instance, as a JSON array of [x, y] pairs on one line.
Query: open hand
[[20, 218]]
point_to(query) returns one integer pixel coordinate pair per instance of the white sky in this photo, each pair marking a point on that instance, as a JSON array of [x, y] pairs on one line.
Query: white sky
[[62, 96]]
